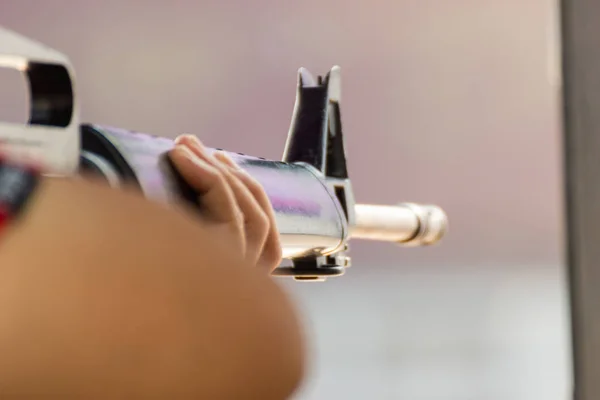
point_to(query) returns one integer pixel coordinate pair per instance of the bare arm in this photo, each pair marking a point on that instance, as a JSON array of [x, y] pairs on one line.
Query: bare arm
[[106, 295]]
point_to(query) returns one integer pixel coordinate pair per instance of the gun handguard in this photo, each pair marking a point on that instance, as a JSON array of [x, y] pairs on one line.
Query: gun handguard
[[309, 189]]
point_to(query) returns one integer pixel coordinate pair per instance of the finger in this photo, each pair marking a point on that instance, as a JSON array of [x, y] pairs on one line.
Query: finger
[[272, 254], [255, 220], [196, 146], [216, 197]]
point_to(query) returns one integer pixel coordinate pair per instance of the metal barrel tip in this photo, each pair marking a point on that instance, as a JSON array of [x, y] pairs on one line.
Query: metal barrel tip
[[434, 225]]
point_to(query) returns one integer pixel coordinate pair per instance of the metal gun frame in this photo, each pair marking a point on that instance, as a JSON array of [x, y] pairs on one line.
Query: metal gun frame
[[310, 189]]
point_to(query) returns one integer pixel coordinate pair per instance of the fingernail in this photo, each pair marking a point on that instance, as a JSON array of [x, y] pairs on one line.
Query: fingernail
[[185, 136], [178, 148], [223, 157], [185, 151], [190, 140], [181, 138]]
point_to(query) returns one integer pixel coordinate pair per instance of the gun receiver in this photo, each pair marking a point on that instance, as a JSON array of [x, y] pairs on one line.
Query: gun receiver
[[310, 189]]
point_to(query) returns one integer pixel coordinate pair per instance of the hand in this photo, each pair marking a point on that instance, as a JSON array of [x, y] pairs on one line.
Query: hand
[[137, 300], [233, 203]]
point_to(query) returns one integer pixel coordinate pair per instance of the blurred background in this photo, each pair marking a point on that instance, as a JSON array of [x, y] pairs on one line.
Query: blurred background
[[453, 103]]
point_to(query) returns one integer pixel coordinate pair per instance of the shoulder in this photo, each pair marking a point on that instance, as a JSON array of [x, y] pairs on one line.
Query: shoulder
[[96, 258]]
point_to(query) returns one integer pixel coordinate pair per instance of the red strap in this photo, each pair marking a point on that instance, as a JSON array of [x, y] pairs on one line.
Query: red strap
[[4, 218]]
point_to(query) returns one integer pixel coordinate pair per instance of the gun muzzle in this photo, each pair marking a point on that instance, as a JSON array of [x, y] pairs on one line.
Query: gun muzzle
[[407, 224]]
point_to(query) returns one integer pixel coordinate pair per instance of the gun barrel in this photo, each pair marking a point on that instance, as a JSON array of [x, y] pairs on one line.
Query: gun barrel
[[308, 215], [407, 224]]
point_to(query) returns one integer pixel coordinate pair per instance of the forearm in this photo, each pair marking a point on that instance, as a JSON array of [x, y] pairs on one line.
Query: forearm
[[126, 326]]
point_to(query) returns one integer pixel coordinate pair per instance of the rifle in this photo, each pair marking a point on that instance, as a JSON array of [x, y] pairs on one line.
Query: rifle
[[310, 189]]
